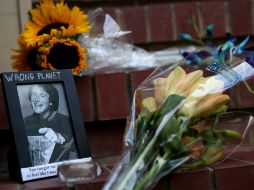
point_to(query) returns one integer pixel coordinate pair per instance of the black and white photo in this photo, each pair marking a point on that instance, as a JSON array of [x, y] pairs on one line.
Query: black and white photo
[[48, 130]]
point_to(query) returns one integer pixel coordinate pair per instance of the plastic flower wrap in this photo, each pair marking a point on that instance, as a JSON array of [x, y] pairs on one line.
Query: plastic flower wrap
[[176, 121], [108, 53]]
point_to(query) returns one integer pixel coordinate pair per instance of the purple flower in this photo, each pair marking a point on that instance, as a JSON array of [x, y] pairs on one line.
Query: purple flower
[[196, 57]]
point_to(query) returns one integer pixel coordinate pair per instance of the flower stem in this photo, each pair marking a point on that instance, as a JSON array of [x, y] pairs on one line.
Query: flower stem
[[194, 141], [158, 165], [156, 168], [126, 178]]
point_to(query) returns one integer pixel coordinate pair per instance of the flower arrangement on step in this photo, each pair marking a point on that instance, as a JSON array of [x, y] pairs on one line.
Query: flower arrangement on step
[[175, 122], [59, 37]]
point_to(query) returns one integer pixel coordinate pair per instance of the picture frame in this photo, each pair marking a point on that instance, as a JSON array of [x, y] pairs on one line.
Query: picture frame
[[45, 121]]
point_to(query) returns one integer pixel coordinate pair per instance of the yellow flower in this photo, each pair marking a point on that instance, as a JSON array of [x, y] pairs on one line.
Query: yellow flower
[[203, 95], [62, 54], [24, 58], [177, 82], [205, 99], [47, 16], [149, 104], [54, 53]]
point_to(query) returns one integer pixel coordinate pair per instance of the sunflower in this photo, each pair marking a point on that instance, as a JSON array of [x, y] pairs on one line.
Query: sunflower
[[62, 53], [24, 58], [47, 16]]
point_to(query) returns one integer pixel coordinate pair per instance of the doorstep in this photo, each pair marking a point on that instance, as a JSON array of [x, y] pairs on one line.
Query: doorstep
[[233, 174]]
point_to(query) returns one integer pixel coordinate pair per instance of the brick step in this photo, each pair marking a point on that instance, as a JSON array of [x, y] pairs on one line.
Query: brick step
[[233, 174]]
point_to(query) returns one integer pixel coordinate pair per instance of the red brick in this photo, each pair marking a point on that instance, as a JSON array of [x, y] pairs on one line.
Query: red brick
[[100, 19], [110, 11], [112, 96], [234, 175], [235, 178], [137, 77], [85, 95], [199, 179], [244, 97], [244, 153], [162, 184], [49, 184], [232, 102], [90, 186], [134, 20], [183, 13], [213, 13], [160, 17], [240, 16], [105, 138], [10, 185]]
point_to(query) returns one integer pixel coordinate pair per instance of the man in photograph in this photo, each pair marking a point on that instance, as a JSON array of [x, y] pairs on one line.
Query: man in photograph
[[49, 132]]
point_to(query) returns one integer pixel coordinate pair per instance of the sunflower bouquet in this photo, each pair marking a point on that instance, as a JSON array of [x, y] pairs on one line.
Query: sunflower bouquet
[[176, 122], [58, 37], [49, 40]]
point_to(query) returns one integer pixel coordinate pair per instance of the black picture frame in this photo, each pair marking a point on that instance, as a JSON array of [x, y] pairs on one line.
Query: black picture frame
[[11, 81]]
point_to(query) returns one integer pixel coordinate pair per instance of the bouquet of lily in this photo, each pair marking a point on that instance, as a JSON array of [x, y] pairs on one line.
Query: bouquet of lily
[[174, 123]]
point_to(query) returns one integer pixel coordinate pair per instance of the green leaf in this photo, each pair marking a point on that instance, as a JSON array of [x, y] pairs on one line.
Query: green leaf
[[171, 102]]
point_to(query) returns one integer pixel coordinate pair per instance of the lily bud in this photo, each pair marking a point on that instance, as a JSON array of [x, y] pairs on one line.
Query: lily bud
[[187, 84], [231, 135], [178, 74], [210, 106], [159, 90], [211, 155], [149, 104], [208, 156], [221, 109]]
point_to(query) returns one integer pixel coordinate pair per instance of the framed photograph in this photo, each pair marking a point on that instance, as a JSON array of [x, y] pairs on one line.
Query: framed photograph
[[45, 120]]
